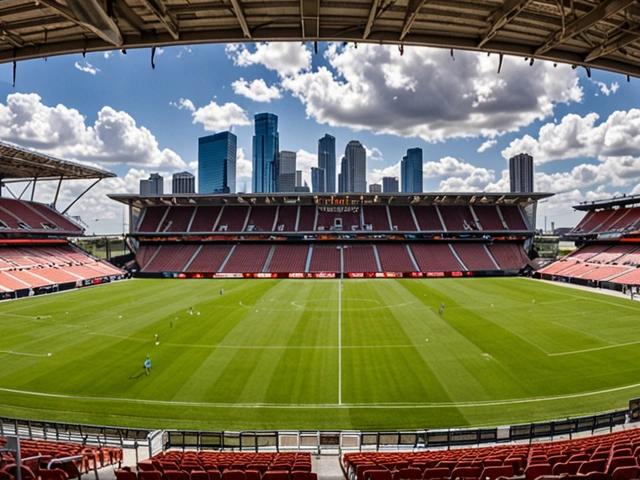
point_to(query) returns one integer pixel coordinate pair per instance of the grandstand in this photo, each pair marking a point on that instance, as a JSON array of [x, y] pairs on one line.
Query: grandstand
[[608, 238], [340, 235], [35, 253]]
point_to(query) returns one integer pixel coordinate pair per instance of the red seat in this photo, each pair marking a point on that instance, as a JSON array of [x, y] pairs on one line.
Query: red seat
[[534, 471], [149, 475], [57, 474], [176, 475], [491, 473], [569, 468], [304, 475], [6, 475], [376, 475], [276, 475], [251, 474], [466, 472], [195, 475], [120, 475], [436, 472], [146, 466], [621, 462], [592, 466], [408, 474], [233, 475], [625, 473], [27, 473]]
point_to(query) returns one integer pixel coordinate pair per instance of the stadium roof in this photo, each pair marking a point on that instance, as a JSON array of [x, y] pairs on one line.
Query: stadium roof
[[435, 198], [609, 203], [602, 34], [19, 165]]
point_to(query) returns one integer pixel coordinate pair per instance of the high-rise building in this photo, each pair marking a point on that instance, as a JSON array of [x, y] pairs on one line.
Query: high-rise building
[[183, 182], [318, 178], [153, 186], [521, 173], [217, 163], [327, 161], [286, 172], [411, 171], [353, 172], [390, 184], [375, 188], [266, 145]]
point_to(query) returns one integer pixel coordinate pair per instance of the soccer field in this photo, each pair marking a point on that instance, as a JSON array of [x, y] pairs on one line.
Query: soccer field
[[318, 354]]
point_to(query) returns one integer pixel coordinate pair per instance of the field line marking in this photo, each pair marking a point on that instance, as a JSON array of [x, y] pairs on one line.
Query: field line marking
[[595, 349], [487, 403], [340, 341], [9, 352]]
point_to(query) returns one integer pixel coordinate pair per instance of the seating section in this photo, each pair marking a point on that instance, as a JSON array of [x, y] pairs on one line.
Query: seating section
[[307, 218], [376, 217], [489, 217], [177, 219], [289, 258], [247, 258], [428, 219], [435, 257], [474, 256], [509, 256], [512, 216], [151, 219], [19, 216], [402, 218], [621, 220], [612, 263], [261, 219], [171, 258], [287, 216], [205, 219], [32, 265], [458, 217], [359, 258], [325, 259], [232, 219], [72, 458], [215, 465], [612, 456], [394, 257], [328, 220], [210, 258]]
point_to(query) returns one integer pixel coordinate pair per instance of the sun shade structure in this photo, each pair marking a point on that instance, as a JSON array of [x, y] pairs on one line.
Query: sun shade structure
[[603, 34], [19, 165]]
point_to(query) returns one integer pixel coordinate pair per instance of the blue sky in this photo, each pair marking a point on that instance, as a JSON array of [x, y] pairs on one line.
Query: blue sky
[[115, 111]]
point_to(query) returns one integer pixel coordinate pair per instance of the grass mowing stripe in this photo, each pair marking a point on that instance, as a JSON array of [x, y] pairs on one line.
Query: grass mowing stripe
[[340, 341]]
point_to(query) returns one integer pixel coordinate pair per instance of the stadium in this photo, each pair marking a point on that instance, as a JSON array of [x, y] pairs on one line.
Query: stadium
[[397, 336]]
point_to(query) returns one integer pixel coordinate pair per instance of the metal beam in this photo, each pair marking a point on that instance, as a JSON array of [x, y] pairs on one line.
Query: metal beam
[[239, 13], [159, 10], [614, 44], [501, 17], [372, 18], [127, 13], [410, 15], [601, 12], [11, 38], [310, 18]]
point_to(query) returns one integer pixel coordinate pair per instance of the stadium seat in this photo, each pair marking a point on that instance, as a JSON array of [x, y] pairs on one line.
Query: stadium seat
[[149, 475], [568, 468], [229, 474], [120, 475], [146, 466], [466, 472], [491, 473], [276, 475], [251, 474], [4, 475], [381, 474], [27, 473], [408, 474], [303, 475], [436, 472], [625, 473], [592, 466], [617, 462], [534, 471], [176, 475]]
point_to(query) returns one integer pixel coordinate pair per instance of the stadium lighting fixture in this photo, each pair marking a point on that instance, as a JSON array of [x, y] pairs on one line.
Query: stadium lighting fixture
[[91, 14]]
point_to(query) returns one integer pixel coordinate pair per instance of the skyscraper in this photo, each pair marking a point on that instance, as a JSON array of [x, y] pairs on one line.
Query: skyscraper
[[183, 182], [390, 184], [217, 163], [375, 188], [317, 180], [327, 161], [353, 172], [411, 171], [521, 173], [153, 186], [266, 146], [286, 171]]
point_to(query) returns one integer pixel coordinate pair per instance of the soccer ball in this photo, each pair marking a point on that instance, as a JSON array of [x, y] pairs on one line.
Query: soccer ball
[[49, 354], [157, 343]]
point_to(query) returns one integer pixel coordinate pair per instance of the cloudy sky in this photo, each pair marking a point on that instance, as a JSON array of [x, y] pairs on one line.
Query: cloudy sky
[[114, 111]]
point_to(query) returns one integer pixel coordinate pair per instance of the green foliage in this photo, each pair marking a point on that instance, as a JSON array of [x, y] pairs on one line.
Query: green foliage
[[281, 354]]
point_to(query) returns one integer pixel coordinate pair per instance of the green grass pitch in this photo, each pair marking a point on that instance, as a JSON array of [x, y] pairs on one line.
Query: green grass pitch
[[318, 354]]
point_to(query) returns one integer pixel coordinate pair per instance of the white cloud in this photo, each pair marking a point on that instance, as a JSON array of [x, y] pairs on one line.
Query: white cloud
[[215, 117], [607, 89], [244, 168], [423, 93], [107, 54], [184, 104], [114, 138], [304, 161], [375, 176], [374, 154], [286, 58], [257, 90], [487, 145], [184, 50], [87, 67], [576, 136], [446, 167]]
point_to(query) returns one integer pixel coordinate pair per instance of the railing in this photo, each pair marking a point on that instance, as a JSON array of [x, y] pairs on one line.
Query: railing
[[320, 442]]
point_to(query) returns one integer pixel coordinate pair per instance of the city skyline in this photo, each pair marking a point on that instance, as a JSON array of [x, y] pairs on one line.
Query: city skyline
[[468, 119]]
